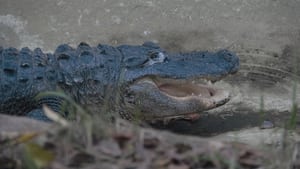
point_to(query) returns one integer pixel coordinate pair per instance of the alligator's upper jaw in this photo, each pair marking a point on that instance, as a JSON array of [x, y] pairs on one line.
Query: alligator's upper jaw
[[168, 98]]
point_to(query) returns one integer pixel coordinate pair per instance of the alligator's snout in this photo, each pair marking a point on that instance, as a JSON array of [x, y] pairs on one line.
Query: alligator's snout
[[231, 60]]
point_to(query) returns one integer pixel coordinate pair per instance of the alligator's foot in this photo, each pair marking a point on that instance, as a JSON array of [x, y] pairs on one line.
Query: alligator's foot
[[38, 114]]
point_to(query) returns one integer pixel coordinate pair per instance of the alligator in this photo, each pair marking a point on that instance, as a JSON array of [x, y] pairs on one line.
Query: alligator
[[144, 79]]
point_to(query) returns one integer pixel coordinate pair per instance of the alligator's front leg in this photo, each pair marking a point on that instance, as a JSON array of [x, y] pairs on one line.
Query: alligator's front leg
[[38, 114], [57, 104]]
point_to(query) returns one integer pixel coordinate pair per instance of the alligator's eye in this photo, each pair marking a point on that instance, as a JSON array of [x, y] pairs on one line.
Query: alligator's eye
[[153, 55], [156, 57]]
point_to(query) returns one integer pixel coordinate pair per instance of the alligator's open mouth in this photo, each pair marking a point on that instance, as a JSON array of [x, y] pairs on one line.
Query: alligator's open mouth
[[175, 98]]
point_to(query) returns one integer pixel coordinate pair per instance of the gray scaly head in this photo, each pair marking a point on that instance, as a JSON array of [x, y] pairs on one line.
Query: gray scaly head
[[162, 85]]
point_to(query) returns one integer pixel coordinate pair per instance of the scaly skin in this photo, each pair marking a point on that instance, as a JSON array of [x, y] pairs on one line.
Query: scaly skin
[[148, 79]]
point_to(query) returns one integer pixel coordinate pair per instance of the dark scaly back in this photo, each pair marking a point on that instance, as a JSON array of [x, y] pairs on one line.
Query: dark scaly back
[[22, 76], [84, 73], [88, 73]]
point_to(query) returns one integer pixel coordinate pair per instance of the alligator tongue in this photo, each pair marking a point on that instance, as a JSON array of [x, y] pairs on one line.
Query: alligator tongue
[[187, 89]]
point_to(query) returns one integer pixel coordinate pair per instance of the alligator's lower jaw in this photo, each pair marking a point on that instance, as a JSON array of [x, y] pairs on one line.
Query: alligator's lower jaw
[[173, 99]]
